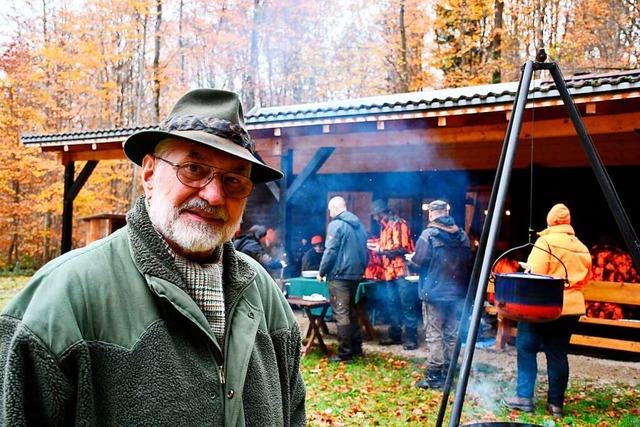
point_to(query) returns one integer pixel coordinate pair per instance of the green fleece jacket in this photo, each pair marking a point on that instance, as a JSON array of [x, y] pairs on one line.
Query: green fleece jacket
[[106, 335]]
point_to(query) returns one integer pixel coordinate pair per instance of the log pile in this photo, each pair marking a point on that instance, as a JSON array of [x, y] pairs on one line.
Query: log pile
[[612, 264]]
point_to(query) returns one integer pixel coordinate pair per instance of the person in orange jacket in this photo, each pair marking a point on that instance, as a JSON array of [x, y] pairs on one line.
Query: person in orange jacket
[[396, 241], [552, 337]]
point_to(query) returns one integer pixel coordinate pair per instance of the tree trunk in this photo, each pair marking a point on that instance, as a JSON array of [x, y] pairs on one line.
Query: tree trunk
[[156, 61], [404, 62], [251, 85], [497, 40]]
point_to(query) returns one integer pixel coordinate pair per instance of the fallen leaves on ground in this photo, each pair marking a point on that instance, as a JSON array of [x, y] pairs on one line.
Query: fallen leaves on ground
[[379, 390]]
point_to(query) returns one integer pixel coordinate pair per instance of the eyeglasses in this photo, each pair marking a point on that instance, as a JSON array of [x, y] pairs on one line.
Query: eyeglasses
[[198, 175]]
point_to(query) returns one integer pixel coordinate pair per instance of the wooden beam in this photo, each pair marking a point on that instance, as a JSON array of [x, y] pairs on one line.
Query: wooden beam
[[83, 156], [621, 323], [556, 128], [273, 188], [562, 152], [607, 343], [315, 163], [620, 293], [82, 178]]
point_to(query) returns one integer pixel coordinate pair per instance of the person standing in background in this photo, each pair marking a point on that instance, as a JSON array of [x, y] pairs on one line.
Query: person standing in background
[[311, 259], [254, 244], [444, 257], [402, 296], [343, 262], [553, 337], [299, 249], [276, 251]]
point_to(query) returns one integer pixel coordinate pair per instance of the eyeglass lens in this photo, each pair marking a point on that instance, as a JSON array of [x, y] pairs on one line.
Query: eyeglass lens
[[197, 175]]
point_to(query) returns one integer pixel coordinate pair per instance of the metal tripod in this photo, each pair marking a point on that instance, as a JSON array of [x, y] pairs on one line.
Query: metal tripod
[[490, 231]]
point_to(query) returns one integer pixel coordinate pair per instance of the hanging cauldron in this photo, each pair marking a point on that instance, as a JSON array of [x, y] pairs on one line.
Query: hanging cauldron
[[529, 297]]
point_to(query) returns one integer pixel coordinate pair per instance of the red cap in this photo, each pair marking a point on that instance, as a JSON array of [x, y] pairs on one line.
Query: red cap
[[316, 240]]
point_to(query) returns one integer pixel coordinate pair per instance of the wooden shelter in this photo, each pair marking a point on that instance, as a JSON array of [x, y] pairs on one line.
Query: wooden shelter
[[103, 224], [413, 147]]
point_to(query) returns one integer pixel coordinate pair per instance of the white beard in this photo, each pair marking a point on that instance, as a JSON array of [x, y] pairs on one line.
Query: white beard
[[191, 236]]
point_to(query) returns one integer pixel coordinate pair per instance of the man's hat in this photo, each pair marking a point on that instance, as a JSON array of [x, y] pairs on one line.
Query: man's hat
[[316, 240], [259, 231], [438, 205], [212, 117], [378, 206], [559, 214]]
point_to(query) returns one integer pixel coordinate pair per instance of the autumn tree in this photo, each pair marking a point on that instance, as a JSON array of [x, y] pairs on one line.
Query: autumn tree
[[406, 27], [71, 66], [462, 44], [29, 186]]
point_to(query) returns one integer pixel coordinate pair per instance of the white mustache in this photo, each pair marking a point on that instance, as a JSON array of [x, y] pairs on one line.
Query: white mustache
[[200, 204]]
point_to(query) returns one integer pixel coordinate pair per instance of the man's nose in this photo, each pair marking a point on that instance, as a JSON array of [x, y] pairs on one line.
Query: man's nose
[[213, 191]]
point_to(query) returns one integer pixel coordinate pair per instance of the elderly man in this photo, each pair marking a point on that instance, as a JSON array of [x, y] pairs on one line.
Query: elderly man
[[162, 322]]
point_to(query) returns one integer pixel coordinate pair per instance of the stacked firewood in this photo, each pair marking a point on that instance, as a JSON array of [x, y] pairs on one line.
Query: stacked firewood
[[612, 264], [604, 310]]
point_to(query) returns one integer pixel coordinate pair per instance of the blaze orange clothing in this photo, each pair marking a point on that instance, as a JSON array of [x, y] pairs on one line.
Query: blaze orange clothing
[[395, 242], [375, 268], [504, 265], [562, 242]]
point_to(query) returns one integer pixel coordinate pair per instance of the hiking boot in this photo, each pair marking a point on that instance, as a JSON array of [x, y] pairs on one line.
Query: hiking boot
[[389, 341], [431, 383], [338, 359], [433, 379], [410, 346], [555, 410], [524, 404]]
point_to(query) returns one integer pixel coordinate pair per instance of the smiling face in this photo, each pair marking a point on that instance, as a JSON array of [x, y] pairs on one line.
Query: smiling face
[[194, 221]]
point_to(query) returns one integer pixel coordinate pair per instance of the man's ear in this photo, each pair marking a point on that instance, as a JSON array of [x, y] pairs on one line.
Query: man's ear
[[147, 171]]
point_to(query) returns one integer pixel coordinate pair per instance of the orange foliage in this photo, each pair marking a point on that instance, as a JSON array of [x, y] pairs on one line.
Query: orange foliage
[[75, 66]]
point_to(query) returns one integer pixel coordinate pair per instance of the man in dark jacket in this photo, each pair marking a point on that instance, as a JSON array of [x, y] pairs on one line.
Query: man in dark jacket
[[162, 322], [343, 263], [443, 254]]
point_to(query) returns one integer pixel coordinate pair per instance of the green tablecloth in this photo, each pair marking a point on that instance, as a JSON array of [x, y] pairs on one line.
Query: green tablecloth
[[302, 286]]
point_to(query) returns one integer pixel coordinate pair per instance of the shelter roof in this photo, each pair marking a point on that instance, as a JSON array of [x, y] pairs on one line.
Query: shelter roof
[[397, 106]]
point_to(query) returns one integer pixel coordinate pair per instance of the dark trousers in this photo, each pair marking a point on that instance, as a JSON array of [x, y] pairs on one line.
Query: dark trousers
[[441, 326], [402, 297], [553, 339], [342, 295]]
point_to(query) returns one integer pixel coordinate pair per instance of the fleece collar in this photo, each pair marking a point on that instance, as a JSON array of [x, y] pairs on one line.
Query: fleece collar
[[152, 257]]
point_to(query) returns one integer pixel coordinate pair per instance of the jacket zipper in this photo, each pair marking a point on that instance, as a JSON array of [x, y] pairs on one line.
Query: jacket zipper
[[222, 377]]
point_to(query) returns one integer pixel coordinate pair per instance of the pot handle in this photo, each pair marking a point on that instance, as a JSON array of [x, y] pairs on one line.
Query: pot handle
[[566, 272]]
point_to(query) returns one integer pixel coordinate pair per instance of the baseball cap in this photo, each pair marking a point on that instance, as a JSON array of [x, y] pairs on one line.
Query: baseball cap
[[438, 205]]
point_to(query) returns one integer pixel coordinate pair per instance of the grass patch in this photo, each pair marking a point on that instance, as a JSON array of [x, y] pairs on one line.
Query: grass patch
[[379, 390], [9, 287]]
